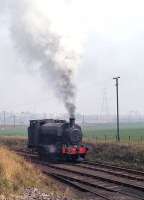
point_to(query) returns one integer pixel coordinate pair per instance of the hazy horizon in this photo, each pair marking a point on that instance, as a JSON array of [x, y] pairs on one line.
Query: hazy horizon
[[114, 46]]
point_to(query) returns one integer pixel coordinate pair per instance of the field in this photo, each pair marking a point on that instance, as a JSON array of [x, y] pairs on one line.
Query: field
[[129, 132], [11, 131]]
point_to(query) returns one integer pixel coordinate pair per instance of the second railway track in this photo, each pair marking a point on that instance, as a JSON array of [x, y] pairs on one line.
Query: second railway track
[[117, 171]]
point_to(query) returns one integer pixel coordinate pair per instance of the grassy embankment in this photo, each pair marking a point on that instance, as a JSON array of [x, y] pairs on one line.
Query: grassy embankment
[[16, 174]]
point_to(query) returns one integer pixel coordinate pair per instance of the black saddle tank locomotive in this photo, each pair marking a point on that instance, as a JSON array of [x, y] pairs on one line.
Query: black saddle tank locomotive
[[56, 139]]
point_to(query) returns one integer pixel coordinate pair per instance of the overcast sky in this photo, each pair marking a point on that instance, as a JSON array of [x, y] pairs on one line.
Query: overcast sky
[[114, 46]]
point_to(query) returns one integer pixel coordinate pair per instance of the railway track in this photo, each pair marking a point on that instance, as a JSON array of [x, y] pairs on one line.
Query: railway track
[[114, 167], [117, 171], [103, 190], [104, 181]]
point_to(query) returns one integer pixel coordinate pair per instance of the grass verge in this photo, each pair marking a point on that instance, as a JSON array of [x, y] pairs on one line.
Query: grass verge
[[15, 173], [13, 142], [121, 154]]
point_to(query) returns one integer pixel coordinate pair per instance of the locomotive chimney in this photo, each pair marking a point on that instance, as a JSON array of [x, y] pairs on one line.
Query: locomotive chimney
[[72, 121]]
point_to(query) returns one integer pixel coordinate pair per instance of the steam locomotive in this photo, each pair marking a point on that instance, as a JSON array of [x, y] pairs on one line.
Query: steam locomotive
[[56, 139]]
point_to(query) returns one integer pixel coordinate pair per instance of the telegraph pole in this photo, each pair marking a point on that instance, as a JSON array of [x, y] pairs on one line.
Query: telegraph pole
[[117, 95]]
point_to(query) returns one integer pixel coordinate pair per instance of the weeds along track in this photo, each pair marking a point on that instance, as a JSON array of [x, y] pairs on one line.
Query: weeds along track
[[109, 183]]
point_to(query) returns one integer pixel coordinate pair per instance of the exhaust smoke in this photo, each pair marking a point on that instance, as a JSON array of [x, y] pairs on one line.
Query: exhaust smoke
[[48, 35]]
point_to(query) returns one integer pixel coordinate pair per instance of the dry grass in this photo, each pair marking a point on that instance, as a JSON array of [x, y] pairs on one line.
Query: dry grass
[[13, 142], [15, 173], [123, 154]]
